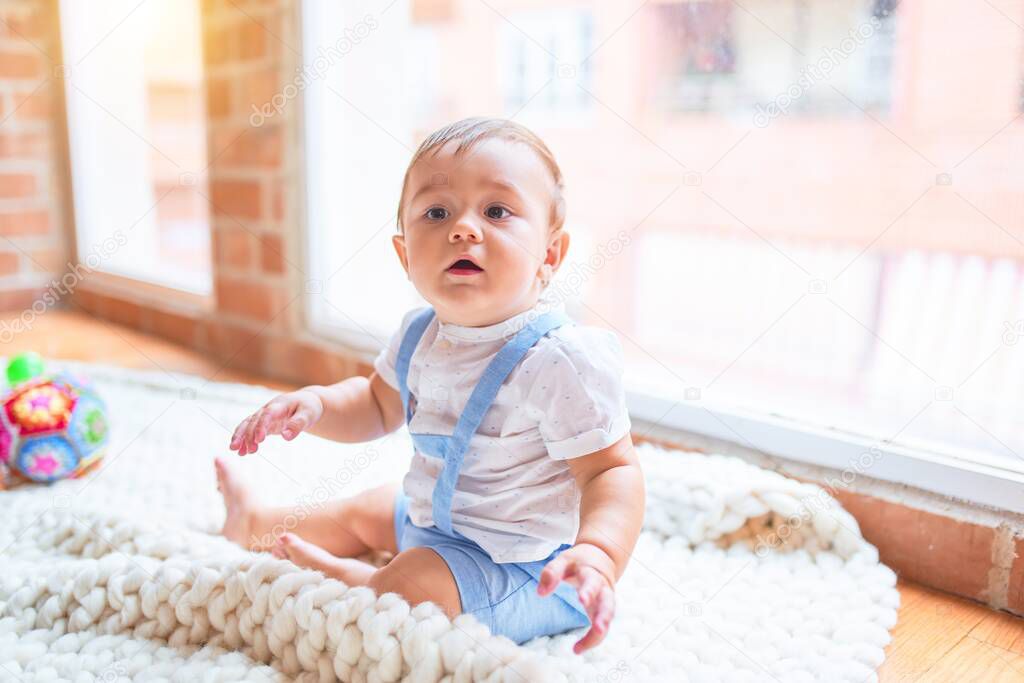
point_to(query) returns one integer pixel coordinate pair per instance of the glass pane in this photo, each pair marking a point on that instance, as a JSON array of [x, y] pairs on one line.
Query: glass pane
[[136, 128], [802, 209]]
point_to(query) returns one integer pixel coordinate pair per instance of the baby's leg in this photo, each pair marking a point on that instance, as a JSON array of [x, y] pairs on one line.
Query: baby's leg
[[419, 575], [327, 539], [346, 527], [303, 553]]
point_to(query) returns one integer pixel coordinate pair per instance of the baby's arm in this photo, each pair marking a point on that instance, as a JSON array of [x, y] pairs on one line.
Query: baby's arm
[[357, 409], [352, 410], [611, 514]]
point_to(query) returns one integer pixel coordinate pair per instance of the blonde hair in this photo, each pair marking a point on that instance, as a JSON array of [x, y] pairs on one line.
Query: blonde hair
[[469, 132]]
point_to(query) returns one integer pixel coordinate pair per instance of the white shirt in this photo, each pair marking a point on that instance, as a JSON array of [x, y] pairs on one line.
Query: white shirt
[[515, 496]]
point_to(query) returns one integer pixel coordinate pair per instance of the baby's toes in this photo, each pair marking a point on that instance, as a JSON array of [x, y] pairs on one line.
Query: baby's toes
[[290, 543]]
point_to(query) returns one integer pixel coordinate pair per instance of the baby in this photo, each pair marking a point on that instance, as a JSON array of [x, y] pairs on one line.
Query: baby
[[525, 497]]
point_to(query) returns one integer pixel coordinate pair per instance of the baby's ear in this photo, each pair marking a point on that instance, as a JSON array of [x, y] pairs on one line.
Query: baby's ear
[[558, 245], [398, 241]]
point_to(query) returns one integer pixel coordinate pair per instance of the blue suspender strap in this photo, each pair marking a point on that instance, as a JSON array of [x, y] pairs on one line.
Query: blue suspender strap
[[409, 342], [479, 402]]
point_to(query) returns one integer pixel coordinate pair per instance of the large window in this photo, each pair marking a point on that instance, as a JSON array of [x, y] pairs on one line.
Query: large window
[[808, 210], [137, 138]]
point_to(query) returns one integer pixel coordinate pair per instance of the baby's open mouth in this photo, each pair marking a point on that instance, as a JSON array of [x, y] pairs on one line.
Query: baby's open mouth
[[464, 267]]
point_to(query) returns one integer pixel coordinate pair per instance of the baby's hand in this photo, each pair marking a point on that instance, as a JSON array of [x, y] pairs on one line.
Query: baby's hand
[[585, 567], [287, 415]]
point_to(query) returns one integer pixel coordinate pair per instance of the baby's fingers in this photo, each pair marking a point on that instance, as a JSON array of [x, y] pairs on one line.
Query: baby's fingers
[[238, 439], [249, 439], [263, 424], [600, 619], [235, 436], [249, 436], [591, 583], [270, 419], [557, 570], [256, 431]]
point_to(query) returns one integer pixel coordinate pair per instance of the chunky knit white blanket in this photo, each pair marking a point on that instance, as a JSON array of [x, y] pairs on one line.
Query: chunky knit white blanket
[[740, 575]]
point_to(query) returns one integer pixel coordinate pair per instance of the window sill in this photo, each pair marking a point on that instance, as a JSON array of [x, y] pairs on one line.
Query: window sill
[[990, 485], [148, 294], [936, 519]]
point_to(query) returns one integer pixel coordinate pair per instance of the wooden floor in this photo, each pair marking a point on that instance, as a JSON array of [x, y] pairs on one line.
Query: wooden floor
[[938, 637]]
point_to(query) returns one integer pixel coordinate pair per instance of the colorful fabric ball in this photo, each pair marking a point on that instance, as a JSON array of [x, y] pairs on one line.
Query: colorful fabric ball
[[52, 428]]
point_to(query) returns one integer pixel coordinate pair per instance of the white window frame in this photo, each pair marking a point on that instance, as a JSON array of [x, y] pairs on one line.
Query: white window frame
[[966, 476]]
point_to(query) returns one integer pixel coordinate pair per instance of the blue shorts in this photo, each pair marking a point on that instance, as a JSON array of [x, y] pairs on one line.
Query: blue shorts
[[501, 595]]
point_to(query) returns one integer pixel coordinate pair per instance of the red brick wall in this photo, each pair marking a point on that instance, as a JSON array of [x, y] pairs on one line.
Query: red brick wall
[[255, 281], [33, 245]]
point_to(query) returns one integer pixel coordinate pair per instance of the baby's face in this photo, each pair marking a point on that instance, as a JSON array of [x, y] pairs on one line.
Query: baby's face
[[477, 231]]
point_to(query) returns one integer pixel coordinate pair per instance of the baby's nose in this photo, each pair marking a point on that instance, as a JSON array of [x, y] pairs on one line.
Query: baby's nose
[[464, 231]]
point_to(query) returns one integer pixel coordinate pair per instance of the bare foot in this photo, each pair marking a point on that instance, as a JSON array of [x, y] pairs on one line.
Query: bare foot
[[305, 554], [237, 502]]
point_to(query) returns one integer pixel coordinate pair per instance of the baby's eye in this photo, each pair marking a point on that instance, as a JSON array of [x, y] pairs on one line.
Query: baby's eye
[[436, 213], [497, 212]]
